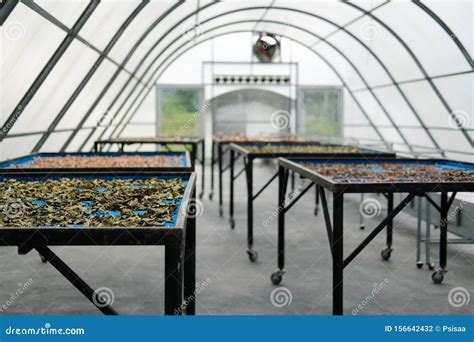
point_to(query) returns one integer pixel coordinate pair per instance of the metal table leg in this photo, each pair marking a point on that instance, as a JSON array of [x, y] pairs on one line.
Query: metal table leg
[[219, 156], [430, 265], [316, 208], [253, 255], [361, 217], [203, 171], [388, 250], [419, 263], [173, 281], [438, 276], [190, 265], [213, 162], [277, 276], [193, 154], [231, 196], [338, 257]]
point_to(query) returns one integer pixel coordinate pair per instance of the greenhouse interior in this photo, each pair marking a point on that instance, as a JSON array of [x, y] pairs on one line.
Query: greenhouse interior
[[236, 158]]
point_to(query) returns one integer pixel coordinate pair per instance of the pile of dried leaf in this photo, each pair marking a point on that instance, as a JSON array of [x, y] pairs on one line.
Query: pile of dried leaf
[[103, 162], [169, 139], [238, 137], [391, 173], [327, 149], [89, 202]]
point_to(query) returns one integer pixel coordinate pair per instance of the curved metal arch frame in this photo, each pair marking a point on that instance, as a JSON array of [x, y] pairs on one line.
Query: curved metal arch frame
[[420, 67], [401, 92], [114, 76], [138, 66], [332, 46], [207, 20], [413, 110], [48, 68], [82, 122], [446, 29], [248, 30], [395, 83], [72, 98]]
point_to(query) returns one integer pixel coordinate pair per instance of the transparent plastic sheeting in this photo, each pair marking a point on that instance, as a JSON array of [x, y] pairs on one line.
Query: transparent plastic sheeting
[[406, 67]]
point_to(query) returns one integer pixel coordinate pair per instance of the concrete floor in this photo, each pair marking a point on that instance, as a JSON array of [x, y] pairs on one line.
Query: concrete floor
[[231, 285]]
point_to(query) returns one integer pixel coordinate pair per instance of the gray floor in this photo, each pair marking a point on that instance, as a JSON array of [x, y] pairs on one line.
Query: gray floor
[[231, 285]]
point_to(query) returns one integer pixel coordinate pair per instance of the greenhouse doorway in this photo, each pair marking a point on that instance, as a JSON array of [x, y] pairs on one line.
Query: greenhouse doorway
[[252, 111]]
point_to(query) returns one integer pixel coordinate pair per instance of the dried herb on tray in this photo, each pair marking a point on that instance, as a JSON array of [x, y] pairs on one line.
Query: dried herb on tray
[[270, 148], [391, 172], [103, 162], [257, 137], [89, 202], [165, 139]]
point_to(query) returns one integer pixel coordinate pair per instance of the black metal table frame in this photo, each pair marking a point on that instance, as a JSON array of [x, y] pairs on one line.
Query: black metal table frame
[[191, 145], [249, 157], [179, 242], [222, 147], [335, 229]]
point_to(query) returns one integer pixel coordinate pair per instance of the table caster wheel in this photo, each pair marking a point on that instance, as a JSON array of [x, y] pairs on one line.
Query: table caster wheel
[[437, 277], [253, 255], [43, 259], [419, 264], [277, 277], [210, 196], [362, 226], [232, 223], [201, 195], [386, 253], [431, 266], [316, 211]]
